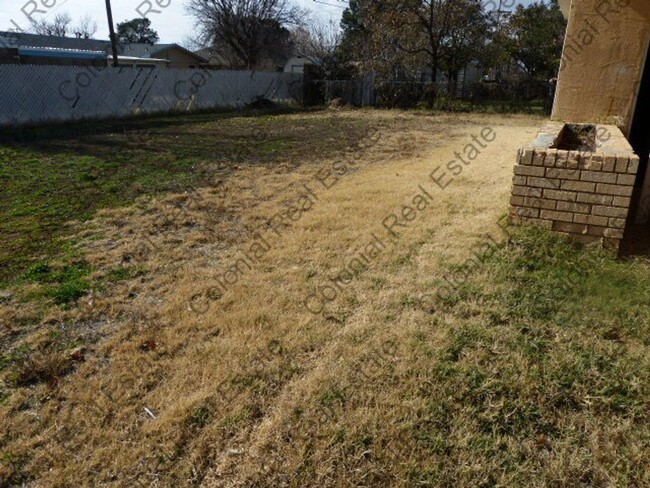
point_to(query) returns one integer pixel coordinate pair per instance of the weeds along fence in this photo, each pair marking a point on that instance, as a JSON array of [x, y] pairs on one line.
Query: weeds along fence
[[526, 95], [32, 94]]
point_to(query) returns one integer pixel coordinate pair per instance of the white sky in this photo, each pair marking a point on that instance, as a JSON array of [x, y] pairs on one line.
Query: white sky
[[172, 22]]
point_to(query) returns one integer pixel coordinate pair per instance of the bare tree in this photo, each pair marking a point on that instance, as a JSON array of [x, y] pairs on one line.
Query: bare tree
[[58, 26], [245, 28], [441, 28], [86, 28], [385, 37], [318, 42], [192, 43], [61, 26]]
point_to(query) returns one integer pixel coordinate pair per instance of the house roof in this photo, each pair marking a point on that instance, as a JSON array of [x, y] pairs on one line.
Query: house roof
[[212, 55], [136, 50], [48, 52], [18, 39], [151, 50], [136, 59]]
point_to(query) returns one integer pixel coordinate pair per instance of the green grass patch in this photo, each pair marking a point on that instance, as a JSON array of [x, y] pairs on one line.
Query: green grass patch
[[125, 273], [547, 351], [63, 284], [52, 176]]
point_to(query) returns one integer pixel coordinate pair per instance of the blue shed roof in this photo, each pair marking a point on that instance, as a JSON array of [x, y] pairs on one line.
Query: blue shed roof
[[60, 53]]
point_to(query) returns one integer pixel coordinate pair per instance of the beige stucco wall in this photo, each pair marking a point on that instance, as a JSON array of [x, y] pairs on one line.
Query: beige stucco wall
[[603, 60]]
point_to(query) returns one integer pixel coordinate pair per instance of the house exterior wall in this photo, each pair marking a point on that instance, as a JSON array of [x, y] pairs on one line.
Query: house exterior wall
[[603, 61], [296, 65], [140, 63], [179, 59], [581, 193]]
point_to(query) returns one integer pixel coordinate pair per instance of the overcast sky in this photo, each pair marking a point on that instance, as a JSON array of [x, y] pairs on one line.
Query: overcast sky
[[172, 22]]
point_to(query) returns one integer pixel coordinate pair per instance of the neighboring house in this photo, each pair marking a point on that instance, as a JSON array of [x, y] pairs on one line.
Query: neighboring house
[[175, 55], [269, 60], [296, 64], [19, 48], [64, 57], [214, 58], [470, 74]]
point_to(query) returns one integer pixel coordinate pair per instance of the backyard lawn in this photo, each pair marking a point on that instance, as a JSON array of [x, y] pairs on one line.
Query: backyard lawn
[[325, 298]]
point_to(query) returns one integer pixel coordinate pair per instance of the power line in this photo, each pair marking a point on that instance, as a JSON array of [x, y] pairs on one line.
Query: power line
[[331, 4]]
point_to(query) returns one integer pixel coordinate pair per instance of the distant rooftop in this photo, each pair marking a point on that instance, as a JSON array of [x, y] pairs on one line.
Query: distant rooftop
[[135, 50], [19, 39]]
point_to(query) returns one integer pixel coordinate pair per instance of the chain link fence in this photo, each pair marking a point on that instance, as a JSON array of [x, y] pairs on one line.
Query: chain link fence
[[33, 94], [526, 96]]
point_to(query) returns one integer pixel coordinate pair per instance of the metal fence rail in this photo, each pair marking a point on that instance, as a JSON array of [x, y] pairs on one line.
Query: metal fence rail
[[31, 94]]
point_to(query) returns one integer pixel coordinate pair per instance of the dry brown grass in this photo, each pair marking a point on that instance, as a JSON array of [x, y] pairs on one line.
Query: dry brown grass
[[257, 391]]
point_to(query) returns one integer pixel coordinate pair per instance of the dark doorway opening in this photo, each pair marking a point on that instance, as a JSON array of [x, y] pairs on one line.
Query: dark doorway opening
[[640, 131], [637, 237]]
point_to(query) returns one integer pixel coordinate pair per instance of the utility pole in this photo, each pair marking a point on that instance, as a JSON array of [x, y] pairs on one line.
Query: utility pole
[[111, 29]]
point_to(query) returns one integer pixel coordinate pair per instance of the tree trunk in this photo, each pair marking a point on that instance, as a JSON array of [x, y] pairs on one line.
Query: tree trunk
[[434, 78]]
